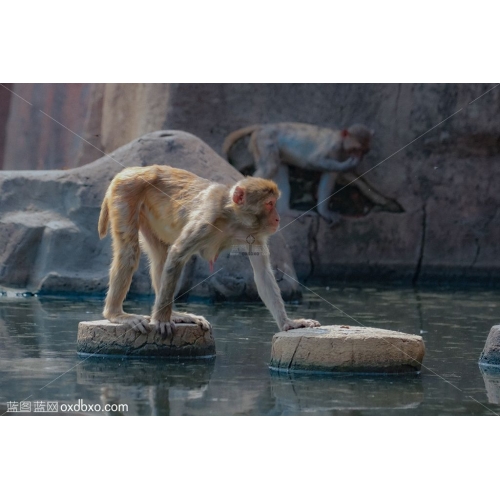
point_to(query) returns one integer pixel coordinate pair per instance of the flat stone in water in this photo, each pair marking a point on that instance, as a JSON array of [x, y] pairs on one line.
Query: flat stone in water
[[344, 349], [491, 352], [105, 338]]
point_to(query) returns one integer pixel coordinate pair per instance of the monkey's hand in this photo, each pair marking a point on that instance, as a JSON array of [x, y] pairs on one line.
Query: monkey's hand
[[165, 327], [180, 317], [291, 324], [352, 162]]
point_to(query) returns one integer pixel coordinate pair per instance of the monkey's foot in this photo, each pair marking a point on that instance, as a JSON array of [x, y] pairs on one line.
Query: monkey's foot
[[180, 317], [291, 324], [133, 321], [333, 218]]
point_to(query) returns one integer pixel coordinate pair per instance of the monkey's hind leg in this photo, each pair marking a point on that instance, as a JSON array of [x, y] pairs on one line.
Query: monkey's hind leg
[[282, 179], [126, 254], [326, 185]]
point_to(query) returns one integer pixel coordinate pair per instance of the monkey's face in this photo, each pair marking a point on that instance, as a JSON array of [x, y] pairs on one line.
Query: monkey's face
[[256, 200]]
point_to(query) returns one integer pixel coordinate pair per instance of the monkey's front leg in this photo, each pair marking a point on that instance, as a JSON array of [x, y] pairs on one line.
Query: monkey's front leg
[[282, 178], [325, 188], [271, 296], [161, 318], [331, 165]]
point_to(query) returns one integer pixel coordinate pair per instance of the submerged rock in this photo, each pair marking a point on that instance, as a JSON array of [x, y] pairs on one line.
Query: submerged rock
[[491, 351], [102, 337], [336, 348]]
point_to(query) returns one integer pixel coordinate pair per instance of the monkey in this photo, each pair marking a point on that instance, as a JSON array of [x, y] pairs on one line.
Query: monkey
[[173, 214], [274, 147]]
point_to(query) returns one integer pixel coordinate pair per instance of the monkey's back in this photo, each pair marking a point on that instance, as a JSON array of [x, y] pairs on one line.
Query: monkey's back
[[161, 195]]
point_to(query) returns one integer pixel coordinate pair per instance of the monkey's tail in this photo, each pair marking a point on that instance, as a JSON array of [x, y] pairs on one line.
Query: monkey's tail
[[103, 218], [235, 136]]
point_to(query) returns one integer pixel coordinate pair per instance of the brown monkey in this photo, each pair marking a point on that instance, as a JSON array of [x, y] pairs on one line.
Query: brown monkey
[[176, 214], [276, 146]]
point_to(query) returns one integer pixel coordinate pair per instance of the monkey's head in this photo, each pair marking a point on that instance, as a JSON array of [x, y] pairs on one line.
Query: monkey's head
[[357, 140], [254, 200]]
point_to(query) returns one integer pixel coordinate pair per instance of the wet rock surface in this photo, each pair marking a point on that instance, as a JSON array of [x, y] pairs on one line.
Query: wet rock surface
[[344, 349], [105, 338]]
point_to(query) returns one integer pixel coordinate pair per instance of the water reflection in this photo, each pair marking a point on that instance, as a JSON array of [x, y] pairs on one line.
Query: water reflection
[[309, 393], [147, 387], [491, 377]]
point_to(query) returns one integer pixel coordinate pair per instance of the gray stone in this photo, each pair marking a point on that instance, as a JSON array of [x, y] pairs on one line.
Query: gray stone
[[336, 348], [48, 226], [102, 337], [491, 351]]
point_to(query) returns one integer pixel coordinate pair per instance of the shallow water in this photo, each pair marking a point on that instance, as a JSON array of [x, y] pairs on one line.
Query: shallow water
[[38, 362]]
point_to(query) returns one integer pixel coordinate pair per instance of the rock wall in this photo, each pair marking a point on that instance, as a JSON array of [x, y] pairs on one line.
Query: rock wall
[[44, 123], [436, 152], [445, 180], [5, 98]]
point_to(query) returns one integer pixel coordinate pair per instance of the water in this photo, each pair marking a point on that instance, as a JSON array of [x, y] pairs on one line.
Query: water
[[38, 359]]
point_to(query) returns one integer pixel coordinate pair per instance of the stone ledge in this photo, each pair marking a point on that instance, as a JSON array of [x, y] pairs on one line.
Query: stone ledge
[[105, 338], [344, 349], [491, 352]]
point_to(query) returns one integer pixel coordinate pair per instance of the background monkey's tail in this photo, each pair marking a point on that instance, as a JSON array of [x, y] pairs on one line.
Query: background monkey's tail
[[236, 135], [103, 218]]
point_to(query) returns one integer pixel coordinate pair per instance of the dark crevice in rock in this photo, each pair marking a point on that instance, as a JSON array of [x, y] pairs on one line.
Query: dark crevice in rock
[[478, 250], [418, 269], [313, 245], [294, 352]]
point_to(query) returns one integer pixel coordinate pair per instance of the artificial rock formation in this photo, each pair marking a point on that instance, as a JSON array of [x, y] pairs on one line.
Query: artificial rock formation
[[102, 337], [347, 349], [48, 226]]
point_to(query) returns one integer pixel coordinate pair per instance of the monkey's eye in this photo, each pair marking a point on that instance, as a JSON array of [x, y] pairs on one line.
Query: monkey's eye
[[270, 204]]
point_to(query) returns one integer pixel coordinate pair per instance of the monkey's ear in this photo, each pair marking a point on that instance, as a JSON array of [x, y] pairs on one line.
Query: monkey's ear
[[239, 195], [344, 133]]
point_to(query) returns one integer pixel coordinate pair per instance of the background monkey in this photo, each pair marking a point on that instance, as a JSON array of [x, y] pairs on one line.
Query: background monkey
[[176, 214], [276, 146]]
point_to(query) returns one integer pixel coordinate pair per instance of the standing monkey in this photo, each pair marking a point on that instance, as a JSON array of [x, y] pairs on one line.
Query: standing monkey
[[276, 146], [174, 214]]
